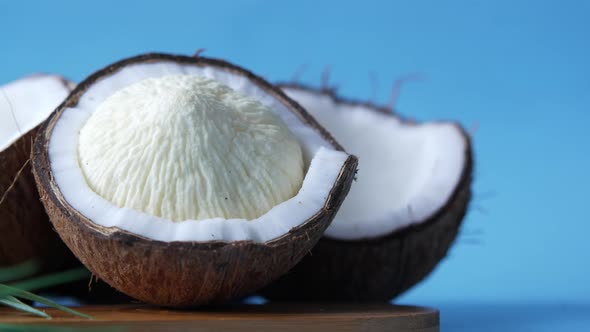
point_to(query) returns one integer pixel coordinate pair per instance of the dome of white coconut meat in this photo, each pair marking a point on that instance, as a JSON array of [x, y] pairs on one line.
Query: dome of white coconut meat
[[196, 148], [145, 150], [407, 172]]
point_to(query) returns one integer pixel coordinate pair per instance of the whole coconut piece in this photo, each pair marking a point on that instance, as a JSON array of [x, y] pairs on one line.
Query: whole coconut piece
[[183, 181], [25, 231], [401, 216]]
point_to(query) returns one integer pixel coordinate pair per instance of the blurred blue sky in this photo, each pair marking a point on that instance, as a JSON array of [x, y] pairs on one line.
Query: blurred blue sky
[[521, 69]]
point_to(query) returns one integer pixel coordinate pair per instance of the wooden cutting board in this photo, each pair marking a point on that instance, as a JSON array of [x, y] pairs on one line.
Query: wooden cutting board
[[281, 317]]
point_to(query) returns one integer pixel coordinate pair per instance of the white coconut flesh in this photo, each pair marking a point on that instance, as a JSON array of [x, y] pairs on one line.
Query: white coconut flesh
[[188, 147], [175, 152], [406, 173], [27, 102]]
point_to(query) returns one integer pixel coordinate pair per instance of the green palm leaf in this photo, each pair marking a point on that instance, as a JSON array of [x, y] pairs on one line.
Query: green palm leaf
[[51, 279], [12, 301], [19, 271], [11, 291]]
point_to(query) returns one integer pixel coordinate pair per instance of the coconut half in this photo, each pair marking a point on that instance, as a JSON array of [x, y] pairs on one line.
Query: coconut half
[[138, 231], [402, 214], [25, 231]]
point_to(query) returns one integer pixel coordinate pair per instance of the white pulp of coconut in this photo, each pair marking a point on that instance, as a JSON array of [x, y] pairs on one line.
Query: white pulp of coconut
[[188, 147], [407, 172], [155, 149], [27, 102]]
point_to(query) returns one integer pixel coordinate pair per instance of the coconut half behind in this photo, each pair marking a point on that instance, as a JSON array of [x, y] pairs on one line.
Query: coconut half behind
[[403, 212], [175, 261], [25, 231]]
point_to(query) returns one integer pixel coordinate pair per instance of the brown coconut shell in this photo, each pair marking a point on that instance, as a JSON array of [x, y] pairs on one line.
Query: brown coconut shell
[[377, 269], [181, 274], [25, 231]]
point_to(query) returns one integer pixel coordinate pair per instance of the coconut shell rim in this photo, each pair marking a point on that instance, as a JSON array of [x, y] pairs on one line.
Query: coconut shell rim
[[42, 168]]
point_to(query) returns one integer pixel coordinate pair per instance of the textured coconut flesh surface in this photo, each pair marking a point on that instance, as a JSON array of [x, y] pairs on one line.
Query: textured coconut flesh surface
[[27, 102], [406, 173], [188, 147], [285, 168]]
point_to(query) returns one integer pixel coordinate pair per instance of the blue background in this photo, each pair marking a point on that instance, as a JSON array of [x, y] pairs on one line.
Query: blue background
[[518, 69]]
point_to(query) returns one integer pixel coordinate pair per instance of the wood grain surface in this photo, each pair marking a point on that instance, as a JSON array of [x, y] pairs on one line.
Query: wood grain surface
[[282, 317]]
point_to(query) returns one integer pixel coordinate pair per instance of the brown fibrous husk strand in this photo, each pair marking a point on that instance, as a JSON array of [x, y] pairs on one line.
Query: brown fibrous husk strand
[[181, 274]]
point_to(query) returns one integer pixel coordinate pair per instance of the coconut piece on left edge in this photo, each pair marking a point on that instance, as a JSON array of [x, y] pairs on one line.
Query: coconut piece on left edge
[[186, 180], [25, 232]]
